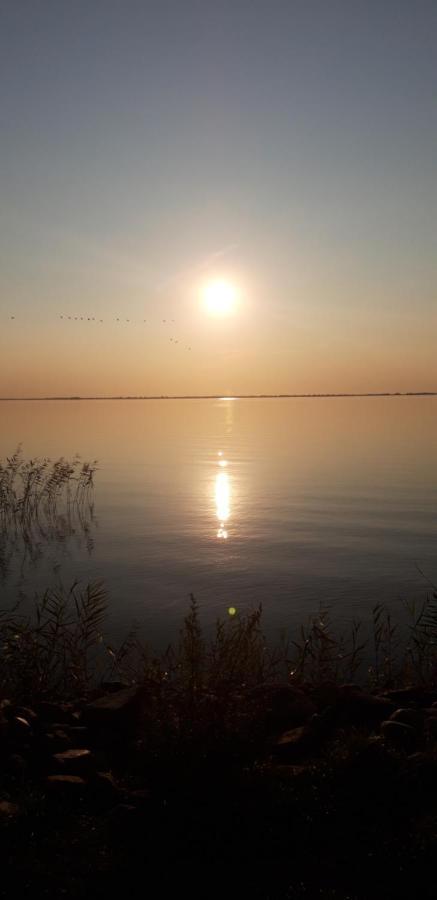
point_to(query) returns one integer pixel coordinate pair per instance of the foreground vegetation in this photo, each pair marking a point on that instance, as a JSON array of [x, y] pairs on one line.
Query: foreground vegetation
[[225, 765], [57, 648], [306, 769]]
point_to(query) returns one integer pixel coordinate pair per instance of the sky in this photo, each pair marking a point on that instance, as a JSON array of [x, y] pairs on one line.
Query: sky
[[287, 147]]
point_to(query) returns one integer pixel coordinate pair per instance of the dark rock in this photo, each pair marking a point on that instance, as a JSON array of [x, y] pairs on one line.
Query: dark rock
[[103, 791], [61, 741], [326, 694], [48, 743], [16, 764], [55, 712], [20, 728], [409, 716], [4, 728], [299, 773], [65, 788], [77, 761], [399, 735], [8, 810], [297, 743], [26, 713], [77, 733], [372, 759], [53, 741], [372, 749], [325, 722], [419, 758], [349, 705], [111, 687], [329, 693], [279, 705], [139, 797], [136, 759], [411, 696], [114, 710], [431, 726], [421, 769], [355, 707], [122, 818]]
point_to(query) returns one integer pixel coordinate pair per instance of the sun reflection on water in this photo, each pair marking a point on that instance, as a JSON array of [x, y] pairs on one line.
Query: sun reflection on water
[[222, 498]]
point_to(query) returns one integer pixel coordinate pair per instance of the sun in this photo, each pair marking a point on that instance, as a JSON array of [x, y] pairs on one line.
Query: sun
[[220, 297]]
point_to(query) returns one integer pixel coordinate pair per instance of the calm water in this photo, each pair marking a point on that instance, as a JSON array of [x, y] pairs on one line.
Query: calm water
[[285, 502]]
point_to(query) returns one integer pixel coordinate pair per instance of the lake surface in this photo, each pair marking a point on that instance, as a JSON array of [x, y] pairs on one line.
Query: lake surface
[[284, 502]]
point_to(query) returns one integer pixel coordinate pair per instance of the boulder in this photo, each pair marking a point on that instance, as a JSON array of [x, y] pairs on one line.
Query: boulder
[[65, 788], [373, 759], [20, 728], [123, 821], [299, 773], [103, 792], [16, 765], [413, 695], [4, 728], [297, 743], [26, 713], [140, 797], [421, 771], [409, 716], [431, 726], [55, 712], [325, 694], [77, 761], [355, 707], [55, 741], [120, 708], [399, 735], [111, 687], [72, 731], [8, 810], [279, 705]]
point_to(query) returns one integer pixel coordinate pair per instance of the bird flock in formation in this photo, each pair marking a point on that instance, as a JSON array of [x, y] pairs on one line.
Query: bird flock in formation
[[118, 319]]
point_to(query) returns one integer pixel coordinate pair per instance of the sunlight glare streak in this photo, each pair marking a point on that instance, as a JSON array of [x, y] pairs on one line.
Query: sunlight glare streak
[[222, 501]]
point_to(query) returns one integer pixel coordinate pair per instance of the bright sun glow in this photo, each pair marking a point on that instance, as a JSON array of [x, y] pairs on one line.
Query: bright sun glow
[[220, 297]]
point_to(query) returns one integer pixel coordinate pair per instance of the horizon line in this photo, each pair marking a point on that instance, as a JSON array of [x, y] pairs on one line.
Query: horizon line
[[228, 396]]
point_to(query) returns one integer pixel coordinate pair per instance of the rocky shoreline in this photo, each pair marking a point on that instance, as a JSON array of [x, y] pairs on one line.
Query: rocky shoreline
[[326, 756]]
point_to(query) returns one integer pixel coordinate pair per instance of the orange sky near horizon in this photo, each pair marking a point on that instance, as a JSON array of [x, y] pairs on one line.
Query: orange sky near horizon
[[285, 148]]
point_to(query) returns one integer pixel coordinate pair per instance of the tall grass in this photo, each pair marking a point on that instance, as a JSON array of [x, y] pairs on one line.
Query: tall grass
[[43, 501], [58, 648], [322, 654], [53, 650]]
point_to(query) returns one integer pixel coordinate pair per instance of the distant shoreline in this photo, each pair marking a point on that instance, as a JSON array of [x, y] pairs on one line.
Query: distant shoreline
[[233, 397]]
